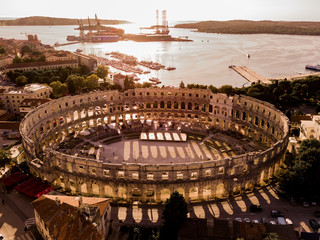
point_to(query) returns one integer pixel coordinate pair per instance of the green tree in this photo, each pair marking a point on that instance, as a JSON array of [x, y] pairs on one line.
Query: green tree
[[91, 82], [182, 85], [227, 89], [102, 71], [75, 84], [4, 157], [3, 50], [174, 215], [17, 59], [21, 81], [128, 83], [25, 49], [300, 178], [58, 89], [271, 236]]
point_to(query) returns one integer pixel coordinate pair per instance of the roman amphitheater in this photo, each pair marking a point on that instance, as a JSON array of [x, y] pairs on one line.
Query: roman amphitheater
[[145, 143]]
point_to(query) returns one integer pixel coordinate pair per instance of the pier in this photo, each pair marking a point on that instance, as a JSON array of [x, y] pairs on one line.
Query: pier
[[65, 44], [250, 75]]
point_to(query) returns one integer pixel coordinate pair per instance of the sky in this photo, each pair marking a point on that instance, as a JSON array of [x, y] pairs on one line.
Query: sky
[[143, 11]]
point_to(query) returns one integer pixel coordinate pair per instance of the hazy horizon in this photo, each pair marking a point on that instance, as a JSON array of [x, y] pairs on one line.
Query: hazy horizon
[[143, 11]]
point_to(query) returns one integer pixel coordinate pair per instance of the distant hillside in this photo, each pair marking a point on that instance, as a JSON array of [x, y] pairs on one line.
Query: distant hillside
[[40, 21], [254, 27]]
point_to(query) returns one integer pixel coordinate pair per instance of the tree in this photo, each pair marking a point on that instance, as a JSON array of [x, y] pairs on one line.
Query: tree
[[25, 49], [128, 83], [271, 236], [102, 71], [299, 178], [3, 50], [21, 81], [17, 59], [227, 89], [75, 84], [58, 89], [174, 215], [4, 157], [91, 82], [181, 85]]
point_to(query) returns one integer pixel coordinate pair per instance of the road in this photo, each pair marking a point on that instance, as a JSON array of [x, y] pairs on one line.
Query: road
[[238, 207]]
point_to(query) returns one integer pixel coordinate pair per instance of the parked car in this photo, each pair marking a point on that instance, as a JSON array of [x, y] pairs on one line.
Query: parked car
[[238, 219], [264, 220], [281, 221], [255, 208], [276, 213], [247, 220], [289, 222], [272, 222], [293, 202], [255, 221], [305, 204], [314, 225], [316, 213]]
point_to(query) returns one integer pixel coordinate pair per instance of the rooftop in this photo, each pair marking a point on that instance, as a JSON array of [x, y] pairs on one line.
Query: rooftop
[[63, 219]]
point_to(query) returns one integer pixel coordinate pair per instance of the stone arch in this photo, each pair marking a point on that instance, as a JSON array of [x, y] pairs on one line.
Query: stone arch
[[169, 104], [183, 105], [221, 191], [162, 104], [122, 193], [108, 191], [194, 193], [95, 189], [164, 194], [189, 106]]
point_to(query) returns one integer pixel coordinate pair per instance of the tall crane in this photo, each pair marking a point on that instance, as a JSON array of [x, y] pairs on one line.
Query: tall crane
[[82, 34], [164, 27], [97, 21]]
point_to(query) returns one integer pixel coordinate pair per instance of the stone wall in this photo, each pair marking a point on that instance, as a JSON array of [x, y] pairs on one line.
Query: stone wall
[[209, 179]]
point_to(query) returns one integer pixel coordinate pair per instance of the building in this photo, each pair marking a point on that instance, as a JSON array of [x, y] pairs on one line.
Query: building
[[28, 104], [68, 217], [12, 97], [310, 128], [200, 113], [86, 60], [52, 56], [5, 60], [28, 66]]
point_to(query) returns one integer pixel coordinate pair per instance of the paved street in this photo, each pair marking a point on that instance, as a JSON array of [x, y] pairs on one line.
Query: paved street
[[16, 209], [237, 207]]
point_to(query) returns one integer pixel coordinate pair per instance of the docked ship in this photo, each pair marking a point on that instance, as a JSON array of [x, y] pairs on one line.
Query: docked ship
[[313, 67], [107, 34]]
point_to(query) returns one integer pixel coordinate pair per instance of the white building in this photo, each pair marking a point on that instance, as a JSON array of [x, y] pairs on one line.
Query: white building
[[12, 97], [310, 128]]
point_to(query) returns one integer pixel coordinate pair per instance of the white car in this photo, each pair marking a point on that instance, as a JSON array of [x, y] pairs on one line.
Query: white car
[[272, 222], [238, 219], [255, 221], [289, 222], [246, 220]]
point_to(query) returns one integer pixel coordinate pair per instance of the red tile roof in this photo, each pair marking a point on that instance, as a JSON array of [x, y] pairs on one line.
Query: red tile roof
[[64, 221]]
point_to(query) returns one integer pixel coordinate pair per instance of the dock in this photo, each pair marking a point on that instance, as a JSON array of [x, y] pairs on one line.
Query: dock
[[295, 77], [65, 44], [250, 75]]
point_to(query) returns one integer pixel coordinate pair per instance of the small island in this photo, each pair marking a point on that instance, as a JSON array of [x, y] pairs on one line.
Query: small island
[[50, 21], [254, 27]]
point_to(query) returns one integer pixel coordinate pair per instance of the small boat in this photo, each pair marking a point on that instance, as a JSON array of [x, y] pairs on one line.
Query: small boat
[[79, 50], [155, 80], [171, 68], [315, 68]]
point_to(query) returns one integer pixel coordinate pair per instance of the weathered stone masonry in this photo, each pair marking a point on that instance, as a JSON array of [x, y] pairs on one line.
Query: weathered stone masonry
[[205, 180]]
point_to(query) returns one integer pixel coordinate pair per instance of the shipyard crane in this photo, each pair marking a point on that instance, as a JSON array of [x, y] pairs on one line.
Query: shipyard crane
[[98, 21], [90, 27], [82, 34], [164, 27]]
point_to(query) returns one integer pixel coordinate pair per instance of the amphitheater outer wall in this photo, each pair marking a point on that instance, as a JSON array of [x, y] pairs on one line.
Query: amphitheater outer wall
[[210, 179]]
